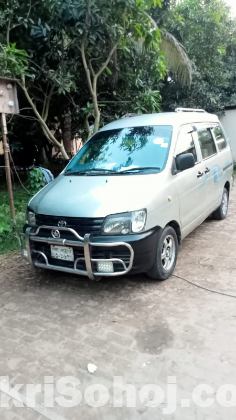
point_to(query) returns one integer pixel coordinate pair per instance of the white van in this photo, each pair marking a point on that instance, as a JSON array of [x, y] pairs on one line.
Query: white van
[[131, 195]]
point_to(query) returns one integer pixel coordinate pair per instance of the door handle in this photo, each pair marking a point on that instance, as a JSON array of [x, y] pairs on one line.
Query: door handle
[[200, 174], [207, 170]]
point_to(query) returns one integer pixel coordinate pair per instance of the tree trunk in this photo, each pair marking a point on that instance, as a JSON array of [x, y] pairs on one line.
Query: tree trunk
[[97, 113], [88, 128], [97, 118], [44, 126], [66, 133], [92, 82]]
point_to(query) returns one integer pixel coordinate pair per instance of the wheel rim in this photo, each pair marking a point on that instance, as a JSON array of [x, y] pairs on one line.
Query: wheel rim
[[225, 203], [168, 252]]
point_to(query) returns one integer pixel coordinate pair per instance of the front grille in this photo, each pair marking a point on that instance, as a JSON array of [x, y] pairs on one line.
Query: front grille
[[81, 225]]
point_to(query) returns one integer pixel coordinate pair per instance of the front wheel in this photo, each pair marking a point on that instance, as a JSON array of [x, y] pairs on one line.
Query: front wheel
[[166, 256], [222, 211]]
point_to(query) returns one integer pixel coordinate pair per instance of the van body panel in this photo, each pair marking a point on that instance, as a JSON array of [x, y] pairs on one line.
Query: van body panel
[[165, 118], [164, 214], [195, 223], [192, 198], [100, 196], [213, 181]]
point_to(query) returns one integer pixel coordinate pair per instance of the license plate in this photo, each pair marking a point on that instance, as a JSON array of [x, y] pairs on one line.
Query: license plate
[[62, 253]]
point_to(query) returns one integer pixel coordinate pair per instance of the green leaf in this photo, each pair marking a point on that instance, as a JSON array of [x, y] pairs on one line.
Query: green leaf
[[108, 71]]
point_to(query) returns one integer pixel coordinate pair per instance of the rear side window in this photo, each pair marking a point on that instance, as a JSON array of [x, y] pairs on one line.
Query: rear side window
[[220, 140], [207, 143], [186, 144]]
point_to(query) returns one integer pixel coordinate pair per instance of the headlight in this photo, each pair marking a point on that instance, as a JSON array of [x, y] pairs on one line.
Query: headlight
[[30, 218], [125, 223], [138, 220]]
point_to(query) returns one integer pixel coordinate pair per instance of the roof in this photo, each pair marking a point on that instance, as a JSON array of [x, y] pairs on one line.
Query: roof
[[166, 118]]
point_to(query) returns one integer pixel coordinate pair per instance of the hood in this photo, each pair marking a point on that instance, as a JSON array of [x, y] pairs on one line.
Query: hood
[[95, 196]]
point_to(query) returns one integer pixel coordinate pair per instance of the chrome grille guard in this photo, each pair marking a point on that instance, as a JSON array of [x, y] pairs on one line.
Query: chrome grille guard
[[86, 243]]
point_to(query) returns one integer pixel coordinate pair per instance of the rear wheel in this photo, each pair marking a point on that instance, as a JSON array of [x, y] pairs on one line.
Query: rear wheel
[[166, 256], [222, 211]]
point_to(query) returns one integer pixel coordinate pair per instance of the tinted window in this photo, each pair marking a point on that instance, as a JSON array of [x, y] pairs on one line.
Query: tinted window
[[207, 143], [125, 148], [186, 144], [220, 140]]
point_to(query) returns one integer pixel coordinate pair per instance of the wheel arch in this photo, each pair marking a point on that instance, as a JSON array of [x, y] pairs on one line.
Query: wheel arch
[[227, 186], [175, 225]]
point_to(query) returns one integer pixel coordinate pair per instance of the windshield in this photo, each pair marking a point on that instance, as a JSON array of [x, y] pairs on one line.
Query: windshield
[[124, 150]]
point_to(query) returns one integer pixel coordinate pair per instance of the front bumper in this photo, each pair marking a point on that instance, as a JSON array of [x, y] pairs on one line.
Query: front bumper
[[131, 253]]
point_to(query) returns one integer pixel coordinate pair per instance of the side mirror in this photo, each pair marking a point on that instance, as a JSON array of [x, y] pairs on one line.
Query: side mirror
[[185, 161]]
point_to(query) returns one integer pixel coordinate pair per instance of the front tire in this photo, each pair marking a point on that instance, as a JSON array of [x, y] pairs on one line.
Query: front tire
[[166, 255], [222, 211]]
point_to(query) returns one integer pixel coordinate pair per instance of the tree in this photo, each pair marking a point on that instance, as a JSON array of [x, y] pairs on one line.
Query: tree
[[80, 63], [17, 63], [228, 97], [100, 28], [206, 29], [55, 39], [177, 61]]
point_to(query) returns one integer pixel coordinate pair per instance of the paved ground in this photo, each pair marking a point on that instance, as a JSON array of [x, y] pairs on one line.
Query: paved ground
[[53, 325]]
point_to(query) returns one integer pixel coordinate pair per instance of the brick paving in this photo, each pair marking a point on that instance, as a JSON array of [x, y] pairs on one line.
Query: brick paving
[[54, 324]]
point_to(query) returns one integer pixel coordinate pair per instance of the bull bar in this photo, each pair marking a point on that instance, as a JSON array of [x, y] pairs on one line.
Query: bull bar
[[85, 242]]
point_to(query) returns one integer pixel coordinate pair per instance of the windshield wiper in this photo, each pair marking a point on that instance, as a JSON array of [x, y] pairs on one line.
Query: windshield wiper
[[85, 171], [105, 171], [145, 168]]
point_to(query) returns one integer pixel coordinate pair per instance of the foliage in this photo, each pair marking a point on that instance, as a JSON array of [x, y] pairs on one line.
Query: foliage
[[36, 180], [43, 40], [5, 216], [206, 31], [13, 62], [101, 28], [50, 35], [177, 61], [229, 93], [5, 219], [8, 241], [148, 102]]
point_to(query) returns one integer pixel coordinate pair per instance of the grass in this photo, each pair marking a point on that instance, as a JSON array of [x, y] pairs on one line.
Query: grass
[[8, 241]]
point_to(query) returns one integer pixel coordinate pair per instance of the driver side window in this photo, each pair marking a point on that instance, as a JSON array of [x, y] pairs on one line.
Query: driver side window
[[185, 144]]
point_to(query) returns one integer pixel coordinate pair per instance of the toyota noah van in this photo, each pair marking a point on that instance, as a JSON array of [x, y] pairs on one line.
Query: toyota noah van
[[130, 196]]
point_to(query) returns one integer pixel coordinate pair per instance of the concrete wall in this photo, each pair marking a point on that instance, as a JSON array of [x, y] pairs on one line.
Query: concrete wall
[[229, 123]]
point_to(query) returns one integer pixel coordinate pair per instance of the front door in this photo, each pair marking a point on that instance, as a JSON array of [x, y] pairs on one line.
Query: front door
[[192, 198]]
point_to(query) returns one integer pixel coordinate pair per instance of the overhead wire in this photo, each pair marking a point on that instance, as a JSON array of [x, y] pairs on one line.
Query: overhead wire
[[18, 176]]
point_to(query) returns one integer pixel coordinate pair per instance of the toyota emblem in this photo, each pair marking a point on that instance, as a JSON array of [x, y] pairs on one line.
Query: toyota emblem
[[55, 234], [62, 223]]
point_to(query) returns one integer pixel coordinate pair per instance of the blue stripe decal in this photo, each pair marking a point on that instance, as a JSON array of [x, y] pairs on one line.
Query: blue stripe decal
[[215, 172]]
